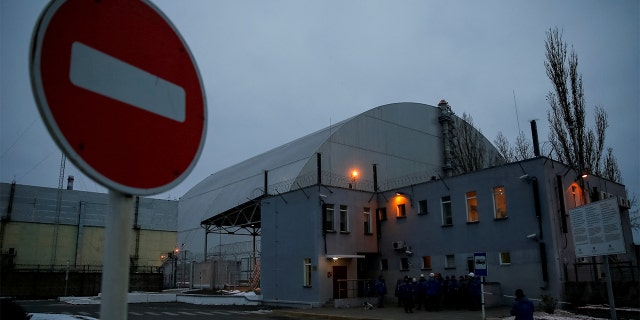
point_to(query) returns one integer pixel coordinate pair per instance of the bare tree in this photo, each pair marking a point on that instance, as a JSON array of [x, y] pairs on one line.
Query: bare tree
[[469, 151], [571, 141], [521, 150], [502, 144]]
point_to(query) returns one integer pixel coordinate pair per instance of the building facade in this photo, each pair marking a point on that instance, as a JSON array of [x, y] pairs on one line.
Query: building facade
[[317, 241], [51, 228], [383, 193]]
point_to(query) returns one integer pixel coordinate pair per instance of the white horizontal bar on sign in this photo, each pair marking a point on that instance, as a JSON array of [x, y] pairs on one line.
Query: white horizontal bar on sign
[[103, 74]]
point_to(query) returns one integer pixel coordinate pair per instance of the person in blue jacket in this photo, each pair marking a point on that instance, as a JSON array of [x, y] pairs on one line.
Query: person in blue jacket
[[433, 290], [522, 307], [381, 290], [406, 294]]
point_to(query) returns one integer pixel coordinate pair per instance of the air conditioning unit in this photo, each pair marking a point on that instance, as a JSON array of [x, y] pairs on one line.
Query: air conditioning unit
[[624, 203], [398, 245]]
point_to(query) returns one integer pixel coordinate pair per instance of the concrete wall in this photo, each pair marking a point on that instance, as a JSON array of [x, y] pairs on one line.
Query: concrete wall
[[45, 284], [29, 227]]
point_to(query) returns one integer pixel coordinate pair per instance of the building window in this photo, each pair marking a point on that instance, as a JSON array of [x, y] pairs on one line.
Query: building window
[[426, 262], [382, 214], [499, 202], [344, 219], [384, 264], [505, 258], [402, 211], [449, 261], [404, 263], [472, 207], [422, 205], [367, 221], [447, 216], [328, 218], [307, 272]]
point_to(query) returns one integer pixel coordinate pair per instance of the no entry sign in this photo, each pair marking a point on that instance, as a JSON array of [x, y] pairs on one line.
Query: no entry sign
[[119, 92]]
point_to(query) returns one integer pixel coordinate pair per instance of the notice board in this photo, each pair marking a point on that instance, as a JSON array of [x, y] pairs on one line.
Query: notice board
[[597, 230]]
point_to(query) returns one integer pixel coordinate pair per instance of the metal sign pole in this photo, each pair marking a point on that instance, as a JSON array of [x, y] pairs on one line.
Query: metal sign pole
[[484, 316], [612, 304], [115, 272]]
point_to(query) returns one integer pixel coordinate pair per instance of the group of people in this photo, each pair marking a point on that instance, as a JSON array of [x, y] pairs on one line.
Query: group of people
[[434, 293], [437, 293]]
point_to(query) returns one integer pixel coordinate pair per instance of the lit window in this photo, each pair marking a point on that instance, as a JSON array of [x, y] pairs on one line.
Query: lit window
[[450, 261], [422, 204], [499, 202], [472, 207], [402, 211], [307, 272], [382, 214], [426, 262], [505, 258], [328, 218], [344, 219], [367, 221], [404, 263], [447, 216]]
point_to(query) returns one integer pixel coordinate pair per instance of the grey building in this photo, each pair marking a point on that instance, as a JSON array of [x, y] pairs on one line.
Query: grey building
[[382, 194], [48, 227]]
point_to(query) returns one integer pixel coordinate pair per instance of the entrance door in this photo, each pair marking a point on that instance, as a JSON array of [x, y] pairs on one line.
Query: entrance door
[[339, 287]]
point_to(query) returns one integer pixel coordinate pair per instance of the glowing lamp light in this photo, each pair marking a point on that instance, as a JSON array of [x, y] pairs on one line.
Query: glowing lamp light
[[354, 174]]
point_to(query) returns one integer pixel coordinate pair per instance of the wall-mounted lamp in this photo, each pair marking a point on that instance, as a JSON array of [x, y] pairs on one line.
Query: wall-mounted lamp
[[405, 195], [533, 236], [526, 178]]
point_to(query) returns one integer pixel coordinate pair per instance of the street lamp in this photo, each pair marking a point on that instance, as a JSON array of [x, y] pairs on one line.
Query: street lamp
[[354, 177], [184, 259], [175, 267]]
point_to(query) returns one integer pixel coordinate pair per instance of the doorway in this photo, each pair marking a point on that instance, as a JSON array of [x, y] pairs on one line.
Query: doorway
[[339, 287]]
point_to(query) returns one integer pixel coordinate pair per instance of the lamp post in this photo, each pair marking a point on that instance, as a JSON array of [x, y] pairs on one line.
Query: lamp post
[[175, 267], [184, 259]]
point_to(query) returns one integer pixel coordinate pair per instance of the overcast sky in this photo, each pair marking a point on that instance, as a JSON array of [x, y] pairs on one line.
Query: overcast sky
[[274, 71]]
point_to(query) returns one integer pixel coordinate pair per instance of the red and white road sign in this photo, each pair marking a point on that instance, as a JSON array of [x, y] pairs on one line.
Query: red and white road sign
[[120, 92]]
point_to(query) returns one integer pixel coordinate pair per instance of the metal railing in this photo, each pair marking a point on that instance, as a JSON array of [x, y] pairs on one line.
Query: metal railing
[[352, 288]]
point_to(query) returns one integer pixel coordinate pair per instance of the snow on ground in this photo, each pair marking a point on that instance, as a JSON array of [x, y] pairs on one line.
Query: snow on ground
[[51, 316], [557, 315]]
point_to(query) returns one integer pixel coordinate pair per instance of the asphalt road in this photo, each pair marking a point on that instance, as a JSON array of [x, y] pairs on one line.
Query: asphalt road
[[156, 311]]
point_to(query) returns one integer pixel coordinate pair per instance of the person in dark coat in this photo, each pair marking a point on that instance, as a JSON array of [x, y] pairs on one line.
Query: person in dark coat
[[406, 295], [522, 307], [421, 293], [474, 292], [433, 290], [380, 288]]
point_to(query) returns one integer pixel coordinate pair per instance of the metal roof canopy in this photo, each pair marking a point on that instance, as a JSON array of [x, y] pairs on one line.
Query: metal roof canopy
[[243, 219]]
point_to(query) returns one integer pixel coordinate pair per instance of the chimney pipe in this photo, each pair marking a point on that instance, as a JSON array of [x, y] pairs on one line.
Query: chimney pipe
[[375, 178], [266, 183], [319, 168], [534, 135], [70, 183], [446, 122]]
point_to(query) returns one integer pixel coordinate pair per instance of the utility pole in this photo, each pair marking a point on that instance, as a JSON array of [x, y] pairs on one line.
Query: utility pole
[[54, 243]]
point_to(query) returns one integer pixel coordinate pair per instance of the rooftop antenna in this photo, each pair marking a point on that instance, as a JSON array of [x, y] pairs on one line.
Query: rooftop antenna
[[515, 105]]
